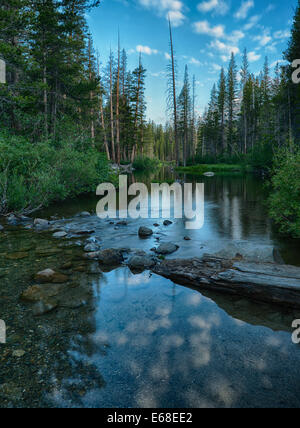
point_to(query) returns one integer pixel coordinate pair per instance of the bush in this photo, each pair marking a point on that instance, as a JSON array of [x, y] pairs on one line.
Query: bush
[[144, 163], [284, 201], [35, 175]]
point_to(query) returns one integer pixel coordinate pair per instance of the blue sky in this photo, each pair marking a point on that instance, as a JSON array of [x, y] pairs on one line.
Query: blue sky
[[205, 33]]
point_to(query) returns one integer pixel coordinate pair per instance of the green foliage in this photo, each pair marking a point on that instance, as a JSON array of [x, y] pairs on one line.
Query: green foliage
[[34, 175], [144, 163], [216, 168], [284, 202], [261, 157]]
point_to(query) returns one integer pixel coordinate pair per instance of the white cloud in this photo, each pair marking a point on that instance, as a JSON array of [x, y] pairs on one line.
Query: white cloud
[[252, 22], [264, 39], [224, 49], [173, 9], [146, 50], [176, 17], [285, 34], [204, 27], [279, 61], [219, 7], [235, 36], [253, 56], [243, 11], [194, 61], [167, 56]]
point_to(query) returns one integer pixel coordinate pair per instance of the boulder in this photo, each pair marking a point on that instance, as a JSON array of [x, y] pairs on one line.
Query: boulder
[[145, 232], [110, 257], [167, 248], [167, 223], [141, 262]]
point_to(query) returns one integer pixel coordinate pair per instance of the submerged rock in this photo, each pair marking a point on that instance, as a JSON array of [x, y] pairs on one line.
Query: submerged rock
[[42, 308], [167, 248], [50, 276], [19, 353], [249, 252], [168, 223], [37, 293], [144, 232], [17, 256]]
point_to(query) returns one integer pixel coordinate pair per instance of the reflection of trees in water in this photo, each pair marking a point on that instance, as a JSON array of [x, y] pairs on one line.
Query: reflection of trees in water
[[241, 212]]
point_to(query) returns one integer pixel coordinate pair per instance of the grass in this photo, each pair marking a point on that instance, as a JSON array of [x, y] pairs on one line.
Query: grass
[[216, 168]]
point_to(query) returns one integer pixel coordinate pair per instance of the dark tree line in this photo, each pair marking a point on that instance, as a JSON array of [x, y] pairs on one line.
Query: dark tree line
[[253, 114], [55, 85], [56, 88]]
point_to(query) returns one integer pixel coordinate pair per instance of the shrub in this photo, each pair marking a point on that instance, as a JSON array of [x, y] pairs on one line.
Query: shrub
[[144, 163], [284, 201], [35, 175]]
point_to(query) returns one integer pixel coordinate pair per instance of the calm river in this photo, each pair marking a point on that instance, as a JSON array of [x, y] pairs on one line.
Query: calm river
[[140, 340]]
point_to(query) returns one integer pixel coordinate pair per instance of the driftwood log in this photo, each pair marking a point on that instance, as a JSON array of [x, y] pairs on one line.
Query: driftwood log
[[268, 282]]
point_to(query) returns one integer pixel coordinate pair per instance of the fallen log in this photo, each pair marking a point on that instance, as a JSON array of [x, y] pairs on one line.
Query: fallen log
[[266, 282]]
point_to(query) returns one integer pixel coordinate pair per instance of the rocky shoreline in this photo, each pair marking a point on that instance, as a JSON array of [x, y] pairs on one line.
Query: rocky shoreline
[[261, 280]]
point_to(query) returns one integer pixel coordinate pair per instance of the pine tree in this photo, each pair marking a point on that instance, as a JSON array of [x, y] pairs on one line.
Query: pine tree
[[222, 108], [231, 104]]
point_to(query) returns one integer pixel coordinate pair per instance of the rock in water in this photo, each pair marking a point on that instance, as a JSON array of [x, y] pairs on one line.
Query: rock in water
[[248, 252], [91, 248], [38, 293], [167, 223], [167, 248], [48, 275], [60, 234], [144, 232], [110, 257], [42, 308], [141, 262], [84, 214], [41, 222]]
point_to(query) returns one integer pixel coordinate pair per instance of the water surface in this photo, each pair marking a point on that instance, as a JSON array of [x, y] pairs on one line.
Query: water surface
[[141, 340]]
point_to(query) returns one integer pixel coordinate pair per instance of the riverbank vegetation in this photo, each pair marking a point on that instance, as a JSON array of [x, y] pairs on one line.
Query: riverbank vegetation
[[285, 199], [35, 175]]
